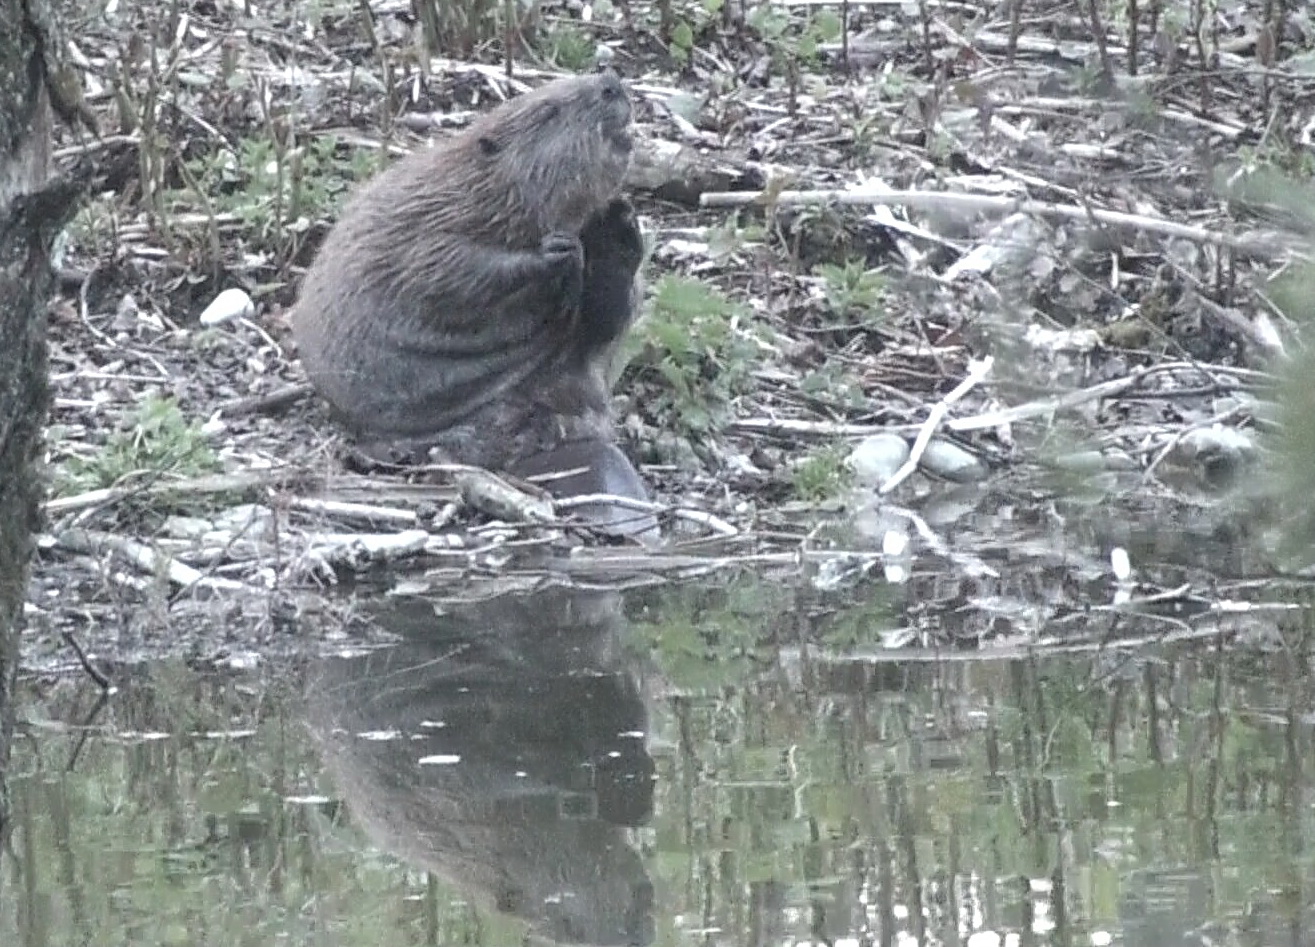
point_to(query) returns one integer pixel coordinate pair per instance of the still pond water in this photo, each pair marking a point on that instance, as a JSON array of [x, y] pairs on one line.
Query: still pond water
[[679, 767]]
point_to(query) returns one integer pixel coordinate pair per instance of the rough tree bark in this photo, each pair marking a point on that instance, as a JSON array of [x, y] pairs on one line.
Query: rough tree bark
[[33, 208]]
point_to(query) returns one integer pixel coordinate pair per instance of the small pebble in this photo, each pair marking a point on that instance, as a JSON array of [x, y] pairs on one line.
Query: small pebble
[[952, 462], [1120, 563], [229, 305], [876, 458], [249, 520]]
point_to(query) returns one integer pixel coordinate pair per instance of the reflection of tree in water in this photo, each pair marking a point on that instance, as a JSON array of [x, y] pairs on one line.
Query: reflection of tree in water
[[503, 748]]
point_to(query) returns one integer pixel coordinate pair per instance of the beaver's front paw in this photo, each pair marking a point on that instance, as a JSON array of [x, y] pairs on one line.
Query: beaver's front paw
[[613, 238], [564, 256]]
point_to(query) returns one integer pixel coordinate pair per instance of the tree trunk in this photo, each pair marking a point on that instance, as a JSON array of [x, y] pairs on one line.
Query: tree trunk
[[33, 209]]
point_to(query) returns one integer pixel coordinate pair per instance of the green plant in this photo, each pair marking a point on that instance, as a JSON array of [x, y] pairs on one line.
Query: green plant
[[1275, 185], [822, 475], [569, 47], [93, 229], [833, 383], [158, 439], [867, 131], [273, 191], [773, 24], [730, 237], [851, 289], [1275, 152], [696, 341], [682, 30], [794, 47], [869, 120]]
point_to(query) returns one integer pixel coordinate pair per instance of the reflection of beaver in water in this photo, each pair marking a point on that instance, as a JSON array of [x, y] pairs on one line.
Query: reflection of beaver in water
[[503, 746], [471, 297]]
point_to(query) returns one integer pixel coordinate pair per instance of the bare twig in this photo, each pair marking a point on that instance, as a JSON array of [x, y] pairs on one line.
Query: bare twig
[[1261, 244], [977, 371], [93, 672]]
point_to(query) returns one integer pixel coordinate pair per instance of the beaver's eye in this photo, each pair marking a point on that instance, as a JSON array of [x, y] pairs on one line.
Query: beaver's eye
[[489, 147], [551, 111]]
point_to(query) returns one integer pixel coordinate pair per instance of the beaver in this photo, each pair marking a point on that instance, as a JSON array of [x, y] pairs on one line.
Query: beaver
[[471, 298]]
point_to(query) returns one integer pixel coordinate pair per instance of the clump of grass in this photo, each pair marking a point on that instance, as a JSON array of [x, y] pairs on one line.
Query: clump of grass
[[158, 439], [835, 384], [683, 26], [793, 42], [853, 292], [569, 47], [275, 192], [823, 474]]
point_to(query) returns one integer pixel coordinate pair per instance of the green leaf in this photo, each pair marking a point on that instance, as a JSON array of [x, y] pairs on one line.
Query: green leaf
[[827, 26]]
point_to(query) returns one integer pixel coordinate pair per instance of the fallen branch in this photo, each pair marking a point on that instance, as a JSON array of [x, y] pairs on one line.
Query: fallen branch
[[702, 518], [276, 400], [355, 511], [491, 495], [95, 673], [377, 547], [219, 483], [1260, 244], [791, 427], [1047, 406], [977, 370], [147, 560]]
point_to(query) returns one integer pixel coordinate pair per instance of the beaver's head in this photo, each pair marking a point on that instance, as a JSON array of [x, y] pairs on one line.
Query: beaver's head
[[566, 146]]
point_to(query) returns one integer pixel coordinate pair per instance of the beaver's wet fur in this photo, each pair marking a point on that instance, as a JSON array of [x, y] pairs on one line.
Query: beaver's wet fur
[[471, 297]]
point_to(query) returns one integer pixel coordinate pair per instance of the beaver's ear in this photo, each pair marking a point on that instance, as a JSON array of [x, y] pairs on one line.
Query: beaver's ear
[[488, 147]]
